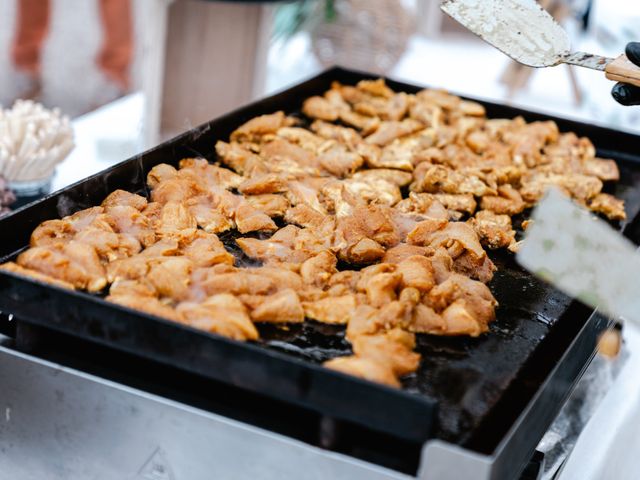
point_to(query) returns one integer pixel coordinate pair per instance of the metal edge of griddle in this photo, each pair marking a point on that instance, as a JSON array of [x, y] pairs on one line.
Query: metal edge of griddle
[[441, 460], [182, 434]]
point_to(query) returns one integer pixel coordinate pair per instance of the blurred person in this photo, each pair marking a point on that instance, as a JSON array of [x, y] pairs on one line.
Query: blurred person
[[113, 59]]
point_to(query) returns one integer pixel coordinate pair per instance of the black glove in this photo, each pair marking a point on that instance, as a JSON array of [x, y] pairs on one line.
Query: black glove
[[624, 93]]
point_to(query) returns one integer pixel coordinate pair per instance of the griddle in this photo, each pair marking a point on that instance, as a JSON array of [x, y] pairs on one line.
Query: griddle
[[467, 392]]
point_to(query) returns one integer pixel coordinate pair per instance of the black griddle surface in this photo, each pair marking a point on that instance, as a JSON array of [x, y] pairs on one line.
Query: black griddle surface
[[461, 381]]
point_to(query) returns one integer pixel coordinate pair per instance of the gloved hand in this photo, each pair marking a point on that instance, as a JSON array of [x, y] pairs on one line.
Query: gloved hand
[[628, 94]]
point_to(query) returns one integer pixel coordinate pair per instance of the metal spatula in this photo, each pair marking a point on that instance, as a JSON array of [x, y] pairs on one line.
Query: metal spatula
[[527, 33], [583, 256]]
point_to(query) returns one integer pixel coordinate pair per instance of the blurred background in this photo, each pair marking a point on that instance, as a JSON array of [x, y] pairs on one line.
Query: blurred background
[[130, 73]]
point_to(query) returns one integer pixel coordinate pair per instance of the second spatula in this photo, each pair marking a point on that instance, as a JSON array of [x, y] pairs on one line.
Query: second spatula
[[527, 33]]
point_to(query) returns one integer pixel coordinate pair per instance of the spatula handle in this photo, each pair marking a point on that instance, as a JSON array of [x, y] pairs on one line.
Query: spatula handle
[[622, 70]]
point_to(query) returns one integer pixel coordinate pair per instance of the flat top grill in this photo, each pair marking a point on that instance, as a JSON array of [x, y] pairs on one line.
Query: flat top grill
[[467, 391]]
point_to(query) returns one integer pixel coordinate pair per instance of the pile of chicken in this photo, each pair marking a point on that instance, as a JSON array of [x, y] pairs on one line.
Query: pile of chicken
[[407, 265]]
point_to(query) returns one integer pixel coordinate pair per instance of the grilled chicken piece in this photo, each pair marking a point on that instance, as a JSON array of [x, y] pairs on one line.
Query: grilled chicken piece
[[609, 206], [337, 200], [375, 87], [213, 281], [397, 107], [319, 270], [159, 174], [373, 190], [176, 222], [157, 268], [345, 135], [177, 189], [364, 368], [389, 131], [528, 141], [171, 276], [394, 314], [207, 175], [279, 150], [152, 211], [303, 138], [399, 154], [479, 301], [239, 158], [463, 203], [339, 161], [416, 272], [84, 218], [581, 187], [365, 233], [271, 204], [422, 232], [141, 287], [396, 177], [473, 109], [222, 314], [393, 348], [249, 219], [439, 97], [430, 115], [147, 304], [364, 123], [304, 216], [367, 320], [459, 320], [281, 307], [35, 275], [440, 179], [133, 268], [381, 288], [282, 275], [320, 108], [424, 319], [108, 244], [268, 183], [131, 222], [52, 231], [364, 251], [459, 232], [72, 262], [388, 107], [424, 204], [605, 170], [307, 192], [99, 234], [210, 218], [508, 201], [279, 247], [124, 198], [346, 279], [206, 249], [253, 130], [332, 310], [494, 230], [402, 251], [468, 264]]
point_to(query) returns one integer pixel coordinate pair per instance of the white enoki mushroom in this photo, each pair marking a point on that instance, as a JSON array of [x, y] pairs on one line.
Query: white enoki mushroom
[[33, 140]]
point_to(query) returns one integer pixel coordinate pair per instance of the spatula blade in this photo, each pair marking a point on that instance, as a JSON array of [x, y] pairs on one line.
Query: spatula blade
[[583, 256], [522, 29]]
